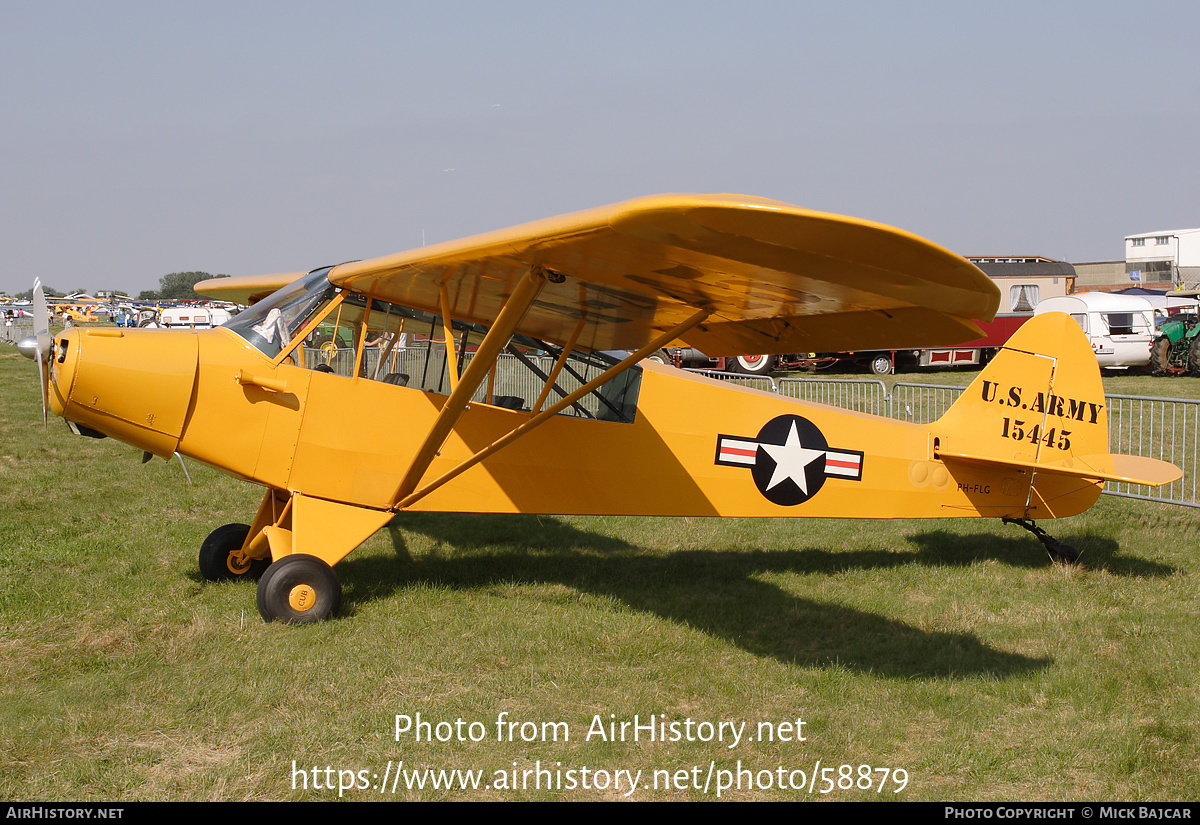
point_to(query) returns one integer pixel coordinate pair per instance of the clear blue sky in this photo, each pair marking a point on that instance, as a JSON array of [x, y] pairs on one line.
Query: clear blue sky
[[142, 138]]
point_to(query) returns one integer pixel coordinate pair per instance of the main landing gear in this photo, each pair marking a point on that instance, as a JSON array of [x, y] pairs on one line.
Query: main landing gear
[[297, 589], [1058, 551], [306, 537]]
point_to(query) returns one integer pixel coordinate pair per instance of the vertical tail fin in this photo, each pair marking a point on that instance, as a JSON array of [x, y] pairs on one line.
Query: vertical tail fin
[[1038, 412]]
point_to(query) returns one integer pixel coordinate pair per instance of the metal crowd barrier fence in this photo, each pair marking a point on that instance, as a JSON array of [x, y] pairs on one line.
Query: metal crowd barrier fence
[[922, 403], [758, 382], [859, 395], [15, 332], [22, 328], [1164, 428]]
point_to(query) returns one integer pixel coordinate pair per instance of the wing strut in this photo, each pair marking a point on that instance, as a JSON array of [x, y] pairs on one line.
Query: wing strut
[[448, 332], [510, 316], [404, 499], [558, 364]]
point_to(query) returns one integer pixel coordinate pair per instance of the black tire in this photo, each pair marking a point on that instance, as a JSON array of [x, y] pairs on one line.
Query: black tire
[[751, 364], [1193, 359], [881, 364], [661, 356], [1065, 554], [216, 563], [1160, 354], [299, 589]]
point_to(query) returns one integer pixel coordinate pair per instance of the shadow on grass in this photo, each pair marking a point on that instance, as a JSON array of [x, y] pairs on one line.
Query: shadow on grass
[[944, 548], [712, 591]]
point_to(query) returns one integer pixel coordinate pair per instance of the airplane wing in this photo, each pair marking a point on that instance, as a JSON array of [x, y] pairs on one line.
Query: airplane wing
[[245, 289], [775, 278]]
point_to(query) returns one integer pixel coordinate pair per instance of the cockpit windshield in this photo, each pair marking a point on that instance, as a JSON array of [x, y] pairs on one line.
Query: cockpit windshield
[[270, 324]]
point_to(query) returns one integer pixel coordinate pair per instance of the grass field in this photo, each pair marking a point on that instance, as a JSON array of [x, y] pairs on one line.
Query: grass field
[[951, 650]]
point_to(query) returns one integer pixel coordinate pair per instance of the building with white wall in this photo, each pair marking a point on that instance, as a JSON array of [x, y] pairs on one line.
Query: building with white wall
[[1166, 258]]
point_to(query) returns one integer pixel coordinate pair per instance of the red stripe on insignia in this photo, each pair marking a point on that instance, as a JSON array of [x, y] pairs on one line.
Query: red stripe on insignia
[[738, 451]]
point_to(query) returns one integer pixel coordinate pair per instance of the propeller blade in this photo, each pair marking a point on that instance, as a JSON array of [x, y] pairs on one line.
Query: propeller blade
[[45, 391], [45, 344], [41, 329], [41, 321]]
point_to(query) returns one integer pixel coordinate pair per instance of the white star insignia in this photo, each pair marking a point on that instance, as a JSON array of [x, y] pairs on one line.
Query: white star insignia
[[791, 460]]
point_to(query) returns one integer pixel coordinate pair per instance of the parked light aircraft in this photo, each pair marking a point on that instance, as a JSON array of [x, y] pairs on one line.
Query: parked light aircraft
[[450, 428]]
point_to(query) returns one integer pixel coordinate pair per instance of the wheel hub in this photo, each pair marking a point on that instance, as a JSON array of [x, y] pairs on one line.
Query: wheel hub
[[302, 597], [236, 567]]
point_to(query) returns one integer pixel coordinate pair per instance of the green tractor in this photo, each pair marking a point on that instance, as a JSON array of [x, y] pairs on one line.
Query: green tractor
[[1176, 349]]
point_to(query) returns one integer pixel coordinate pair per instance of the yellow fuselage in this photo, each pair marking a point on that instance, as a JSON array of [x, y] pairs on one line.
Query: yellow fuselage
[[697, 447]]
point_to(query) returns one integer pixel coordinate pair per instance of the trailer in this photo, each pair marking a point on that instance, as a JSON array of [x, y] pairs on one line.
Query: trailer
[[1120, 328], [193, 317]]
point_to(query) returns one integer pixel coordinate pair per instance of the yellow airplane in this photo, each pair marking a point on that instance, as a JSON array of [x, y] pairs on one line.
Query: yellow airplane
[[451, 428]]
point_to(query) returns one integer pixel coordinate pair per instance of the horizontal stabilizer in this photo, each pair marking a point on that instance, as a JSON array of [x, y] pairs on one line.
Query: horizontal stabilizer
[[1127, 468]]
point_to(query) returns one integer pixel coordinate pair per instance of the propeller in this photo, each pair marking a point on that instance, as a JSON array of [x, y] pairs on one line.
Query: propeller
[[39, 345]]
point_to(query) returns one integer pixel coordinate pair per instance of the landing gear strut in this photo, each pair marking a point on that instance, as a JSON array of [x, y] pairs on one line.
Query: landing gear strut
[[1058, 551]]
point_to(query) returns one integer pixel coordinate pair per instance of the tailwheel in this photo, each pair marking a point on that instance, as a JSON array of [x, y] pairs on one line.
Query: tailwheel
[[1058, 551], [299, 589], [217, 562]]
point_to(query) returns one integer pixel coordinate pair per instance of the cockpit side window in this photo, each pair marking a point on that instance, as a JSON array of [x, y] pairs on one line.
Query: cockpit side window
[[355, 336], [357, 332]]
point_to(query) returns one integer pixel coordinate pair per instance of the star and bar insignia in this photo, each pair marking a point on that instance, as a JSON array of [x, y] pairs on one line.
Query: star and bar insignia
[[789, 459]]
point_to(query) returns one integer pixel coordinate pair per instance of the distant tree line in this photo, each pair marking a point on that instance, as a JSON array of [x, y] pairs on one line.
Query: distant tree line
[[177, 286], [174, 287], [50, 291]]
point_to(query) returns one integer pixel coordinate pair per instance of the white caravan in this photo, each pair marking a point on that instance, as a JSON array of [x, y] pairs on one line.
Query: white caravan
[[1119, 327], [193, 317]]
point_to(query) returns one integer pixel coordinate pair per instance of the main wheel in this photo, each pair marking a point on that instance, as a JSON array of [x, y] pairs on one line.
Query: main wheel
[[881, 364], [299, 589], [751, 364], [216, 555]]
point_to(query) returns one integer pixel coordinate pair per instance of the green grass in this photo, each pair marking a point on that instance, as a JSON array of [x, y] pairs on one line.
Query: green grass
[[951, 649]]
